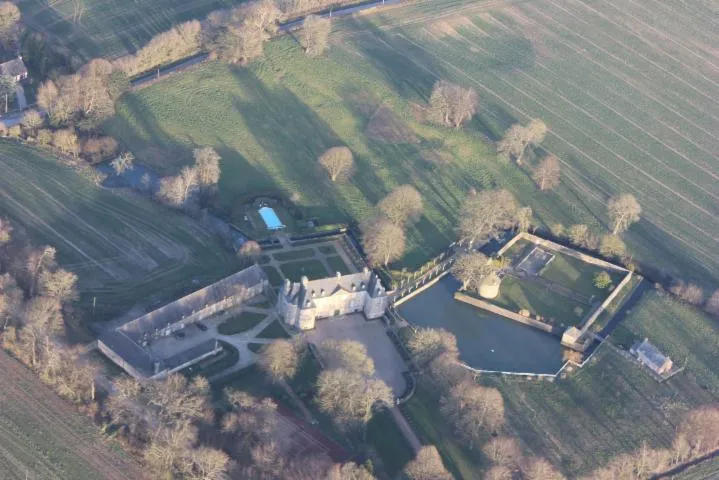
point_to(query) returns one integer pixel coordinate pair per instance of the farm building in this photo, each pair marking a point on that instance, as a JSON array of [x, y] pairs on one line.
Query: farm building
[[14, 69], [301, 303], [649, 355], [164, 341]]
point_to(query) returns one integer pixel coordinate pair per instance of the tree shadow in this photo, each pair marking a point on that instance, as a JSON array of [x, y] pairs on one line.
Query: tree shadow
[[294, 136], [411, 71]]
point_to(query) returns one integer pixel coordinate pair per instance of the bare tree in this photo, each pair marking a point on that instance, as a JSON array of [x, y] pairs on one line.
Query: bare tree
[[427, 465], [42, 322], [383, 241], [59, 284], [250, 249], [426, 344], [338, 162], [315, 35], [537, 468], [523, 219], [243, 34], [123, 163], [712, 305], [9, 25], [168, 449], [11, 301], [689, 292], [503, 451], [348, 355], [207, 163], [349, 471], [32, 121], [498, 472], [612, 246], [281, 359], [5, 231], [252, 420], [471, 269], [96, 149], [66, 141], [623, 210], [348, 397], [518, 138], [475, 411], [581, 236], [176, 190], [177, 400], [486, 214], [547, 174], [205, 463], [402, 205], [701, 429], [452, 105], [37, 261]]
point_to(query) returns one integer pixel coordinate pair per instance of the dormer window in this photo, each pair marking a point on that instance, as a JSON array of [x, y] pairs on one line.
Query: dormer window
[[362, 286], [322, 292], [354, 287], [313, 294]]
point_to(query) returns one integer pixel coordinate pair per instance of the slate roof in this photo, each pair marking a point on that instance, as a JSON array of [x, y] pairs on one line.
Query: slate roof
[[13, 67], [651, 353], [325, 287], [126, 340]]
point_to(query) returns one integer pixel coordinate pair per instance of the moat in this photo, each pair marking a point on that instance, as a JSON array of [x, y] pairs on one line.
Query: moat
[[485, 341]]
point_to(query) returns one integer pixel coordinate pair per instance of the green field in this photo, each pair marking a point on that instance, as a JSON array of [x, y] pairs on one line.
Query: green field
[[575, 277], [111, 28], [273, 330], [618, 119], [122, 254]]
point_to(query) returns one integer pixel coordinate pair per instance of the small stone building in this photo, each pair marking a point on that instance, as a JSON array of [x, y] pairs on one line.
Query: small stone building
[[14, 69], [301, 303], [649, 355]]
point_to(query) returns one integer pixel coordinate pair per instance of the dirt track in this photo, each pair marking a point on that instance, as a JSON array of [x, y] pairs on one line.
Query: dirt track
[[42, 436]]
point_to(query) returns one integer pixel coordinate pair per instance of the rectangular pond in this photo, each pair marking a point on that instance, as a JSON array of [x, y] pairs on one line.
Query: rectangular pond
[[486, 341]]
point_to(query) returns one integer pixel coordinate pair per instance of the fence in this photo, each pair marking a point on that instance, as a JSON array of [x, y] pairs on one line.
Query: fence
[[531, 322]]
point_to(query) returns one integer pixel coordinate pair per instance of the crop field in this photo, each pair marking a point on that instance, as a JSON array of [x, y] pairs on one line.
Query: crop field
[[42, 436], [111, 28], [631, 99], [631, 105], [127, 251]]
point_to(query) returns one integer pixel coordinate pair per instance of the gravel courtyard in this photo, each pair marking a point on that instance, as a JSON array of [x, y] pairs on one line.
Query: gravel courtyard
[[388, 363]]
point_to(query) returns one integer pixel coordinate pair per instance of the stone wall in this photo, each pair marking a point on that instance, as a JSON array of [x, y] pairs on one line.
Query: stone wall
[[508, 314]]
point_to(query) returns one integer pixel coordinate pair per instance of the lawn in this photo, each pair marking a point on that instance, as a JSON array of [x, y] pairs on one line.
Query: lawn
[[618, 120], [294, 254], [386, 438], [612, 405], [123, 256], [272, 275], [516, 294], [111, 28], [312, 269], [607, 408], [421, 411], [630, 102], [240, 323], [273, 330], [214, 365], [337, 265]]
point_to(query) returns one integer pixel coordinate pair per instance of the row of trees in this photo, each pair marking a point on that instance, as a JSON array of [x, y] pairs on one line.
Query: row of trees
[[85, 98], [236, 35]]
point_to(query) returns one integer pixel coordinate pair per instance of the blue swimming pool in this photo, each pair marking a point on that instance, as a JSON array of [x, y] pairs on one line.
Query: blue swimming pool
[[270, 218]]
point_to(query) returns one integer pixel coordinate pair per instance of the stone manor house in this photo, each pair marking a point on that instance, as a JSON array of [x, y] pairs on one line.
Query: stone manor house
[[301, 303]]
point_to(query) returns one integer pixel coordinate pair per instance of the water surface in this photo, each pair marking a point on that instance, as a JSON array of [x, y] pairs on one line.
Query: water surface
[[485, 340]]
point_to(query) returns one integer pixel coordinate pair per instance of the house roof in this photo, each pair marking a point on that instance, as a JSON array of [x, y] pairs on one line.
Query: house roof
[[302, 291], [126, 340], [13, 67], [651, 353]]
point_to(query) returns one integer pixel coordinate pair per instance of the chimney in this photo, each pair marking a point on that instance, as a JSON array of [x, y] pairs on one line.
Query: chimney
[[288, 286], [304, 280], [339, 275]]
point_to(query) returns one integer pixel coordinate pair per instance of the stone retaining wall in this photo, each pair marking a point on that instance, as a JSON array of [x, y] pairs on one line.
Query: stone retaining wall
[[508, 314]]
